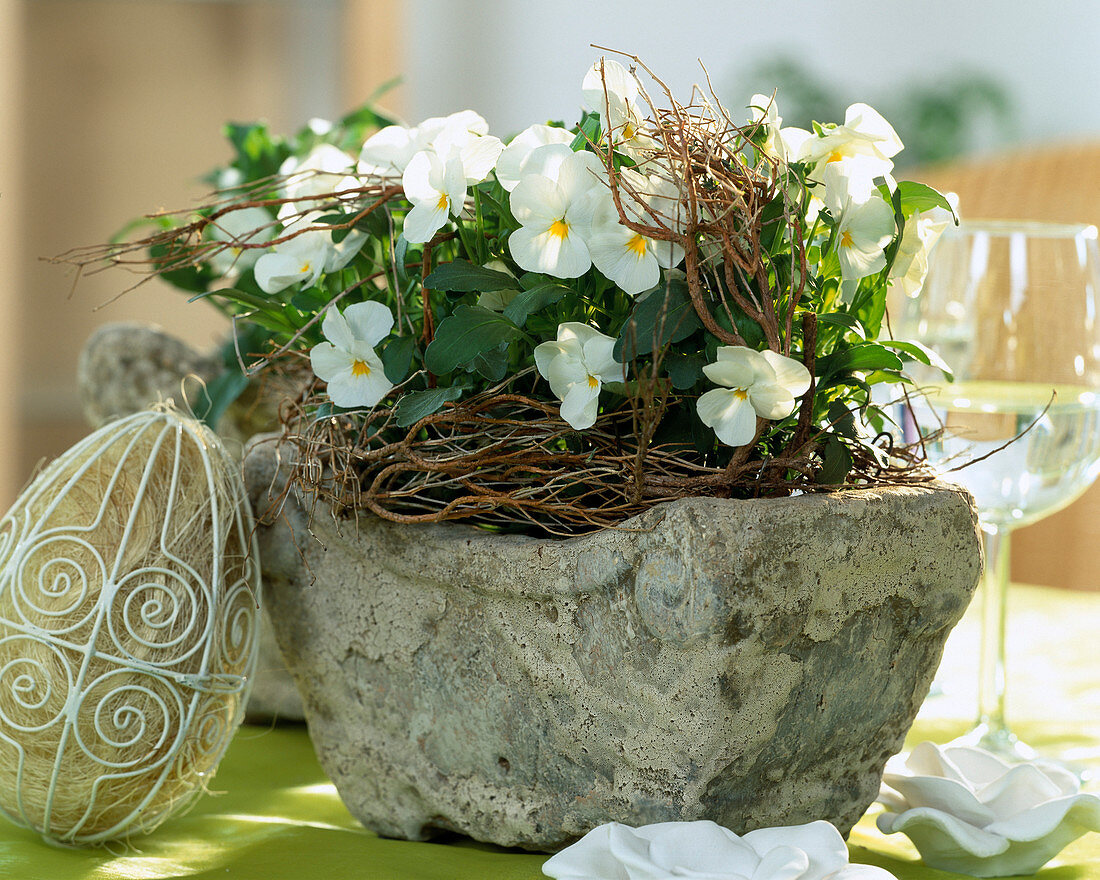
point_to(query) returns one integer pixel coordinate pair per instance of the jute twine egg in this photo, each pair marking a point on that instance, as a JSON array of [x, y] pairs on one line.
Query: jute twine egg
[[129, 601]]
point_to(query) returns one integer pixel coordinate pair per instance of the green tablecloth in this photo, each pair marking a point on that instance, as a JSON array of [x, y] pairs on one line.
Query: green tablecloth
[[278, 818]]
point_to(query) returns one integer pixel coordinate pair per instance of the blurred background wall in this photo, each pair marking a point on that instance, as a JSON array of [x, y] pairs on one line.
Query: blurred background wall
[[112, 108]]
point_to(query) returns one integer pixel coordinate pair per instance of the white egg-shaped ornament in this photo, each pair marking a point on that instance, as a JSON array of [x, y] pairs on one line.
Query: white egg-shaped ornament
[[129, 612]]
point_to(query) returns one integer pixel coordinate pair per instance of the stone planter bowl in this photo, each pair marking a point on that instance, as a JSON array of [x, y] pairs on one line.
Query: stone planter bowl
[[750, 662]]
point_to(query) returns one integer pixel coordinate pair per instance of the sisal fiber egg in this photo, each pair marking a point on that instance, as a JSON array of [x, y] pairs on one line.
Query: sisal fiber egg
[[129, 602]]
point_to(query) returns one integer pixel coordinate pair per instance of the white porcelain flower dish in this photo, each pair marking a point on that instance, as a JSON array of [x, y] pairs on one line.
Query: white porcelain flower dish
[[969, 812], [707, 851]]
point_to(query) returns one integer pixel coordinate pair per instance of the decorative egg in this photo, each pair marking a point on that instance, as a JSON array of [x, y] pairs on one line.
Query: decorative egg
[[129, 602]]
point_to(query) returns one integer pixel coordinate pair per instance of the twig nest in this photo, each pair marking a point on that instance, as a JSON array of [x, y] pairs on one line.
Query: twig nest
[[704, 849], [969, 812], [129, 593]]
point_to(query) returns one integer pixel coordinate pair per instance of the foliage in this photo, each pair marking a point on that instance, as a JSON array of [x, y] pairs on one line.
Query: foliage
[[616, 296]]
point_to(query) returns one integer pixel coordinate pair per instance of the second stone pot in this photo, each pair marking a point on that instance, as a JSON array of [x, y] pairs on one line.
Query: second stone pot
[[751, 662]]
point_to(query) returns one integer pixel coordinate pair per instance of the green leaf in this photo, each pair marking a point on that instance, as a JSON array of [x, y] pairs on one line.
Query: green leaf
[[865, 356], [462, 336], [415, 405], [366, 116], [836, 461], [842, 420], [499, 205], [921, 197], [217, 394], [493, 365], [843, 319], [400, 257], [684, 370], [920, 352], [589, 132], [533, 300], [665, 316], [259, 153], [397, 358], [461, 276]]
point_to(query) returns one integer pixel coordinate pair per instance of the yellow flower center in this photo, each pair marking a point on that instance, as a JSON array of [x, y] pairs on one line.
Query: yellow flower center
[[559, 229], [360, 368], [629, 131], [846, 239], [443, 201], [636, 246], [593, 382], [740, 393], [835, 156], [306, 268]]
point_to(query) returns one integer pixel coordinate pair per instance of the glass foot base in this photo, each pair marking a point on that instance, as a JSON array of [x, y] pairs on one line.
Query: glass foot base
[[1003, 743]]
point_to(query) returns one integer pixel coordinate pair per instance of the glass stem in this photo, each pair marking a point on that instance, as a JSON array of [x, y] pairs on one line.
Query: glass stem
[[991, 669]]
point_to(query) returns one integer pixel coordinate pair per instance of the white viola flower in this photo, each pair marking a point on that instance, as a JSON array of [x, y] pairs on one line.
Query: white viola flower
[[347, 360], [707, 851], [864, 220], [553, 206], [237, 228], [626, 257], [576, 366], [969, 812], [299, 260], [323, 171], [436, 188], [387, 152], [864, 134], [765, 113], [922, 231], [612, 91], [466, 120], [510, 164], [756, 384], [478, 152]]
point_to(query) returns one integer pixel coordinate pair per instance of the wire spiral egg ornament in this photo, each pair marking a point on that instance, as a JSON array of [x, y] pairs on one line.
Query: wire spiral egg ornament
[[129, 602]]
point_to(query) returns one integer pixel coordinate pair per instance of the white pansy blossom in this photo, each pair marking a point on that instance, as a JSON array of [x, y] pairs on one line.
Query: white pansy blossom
[[321, 172], [553, 207], [478, 152], [387, 152], [707, 851], [922, 231], [864, 134], [626, 257], [756, 384], [510, 164], [437, 189], [303, 258], [765, 113], [612, 91], [864, 219], [236, 228], [967, 811], [347, 360], [448, 153], [576, 366], [298, 260]]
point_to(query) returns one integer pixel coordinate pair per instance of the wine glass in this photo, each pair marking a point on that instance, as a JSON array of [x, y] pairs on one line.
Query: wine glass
[[1012, 308]]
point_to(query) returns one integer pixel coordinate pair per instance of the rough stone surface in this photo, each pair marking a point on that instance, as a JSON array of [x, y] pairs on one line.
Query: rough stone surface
[[750, 662], [125, 367], [122, 369]]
